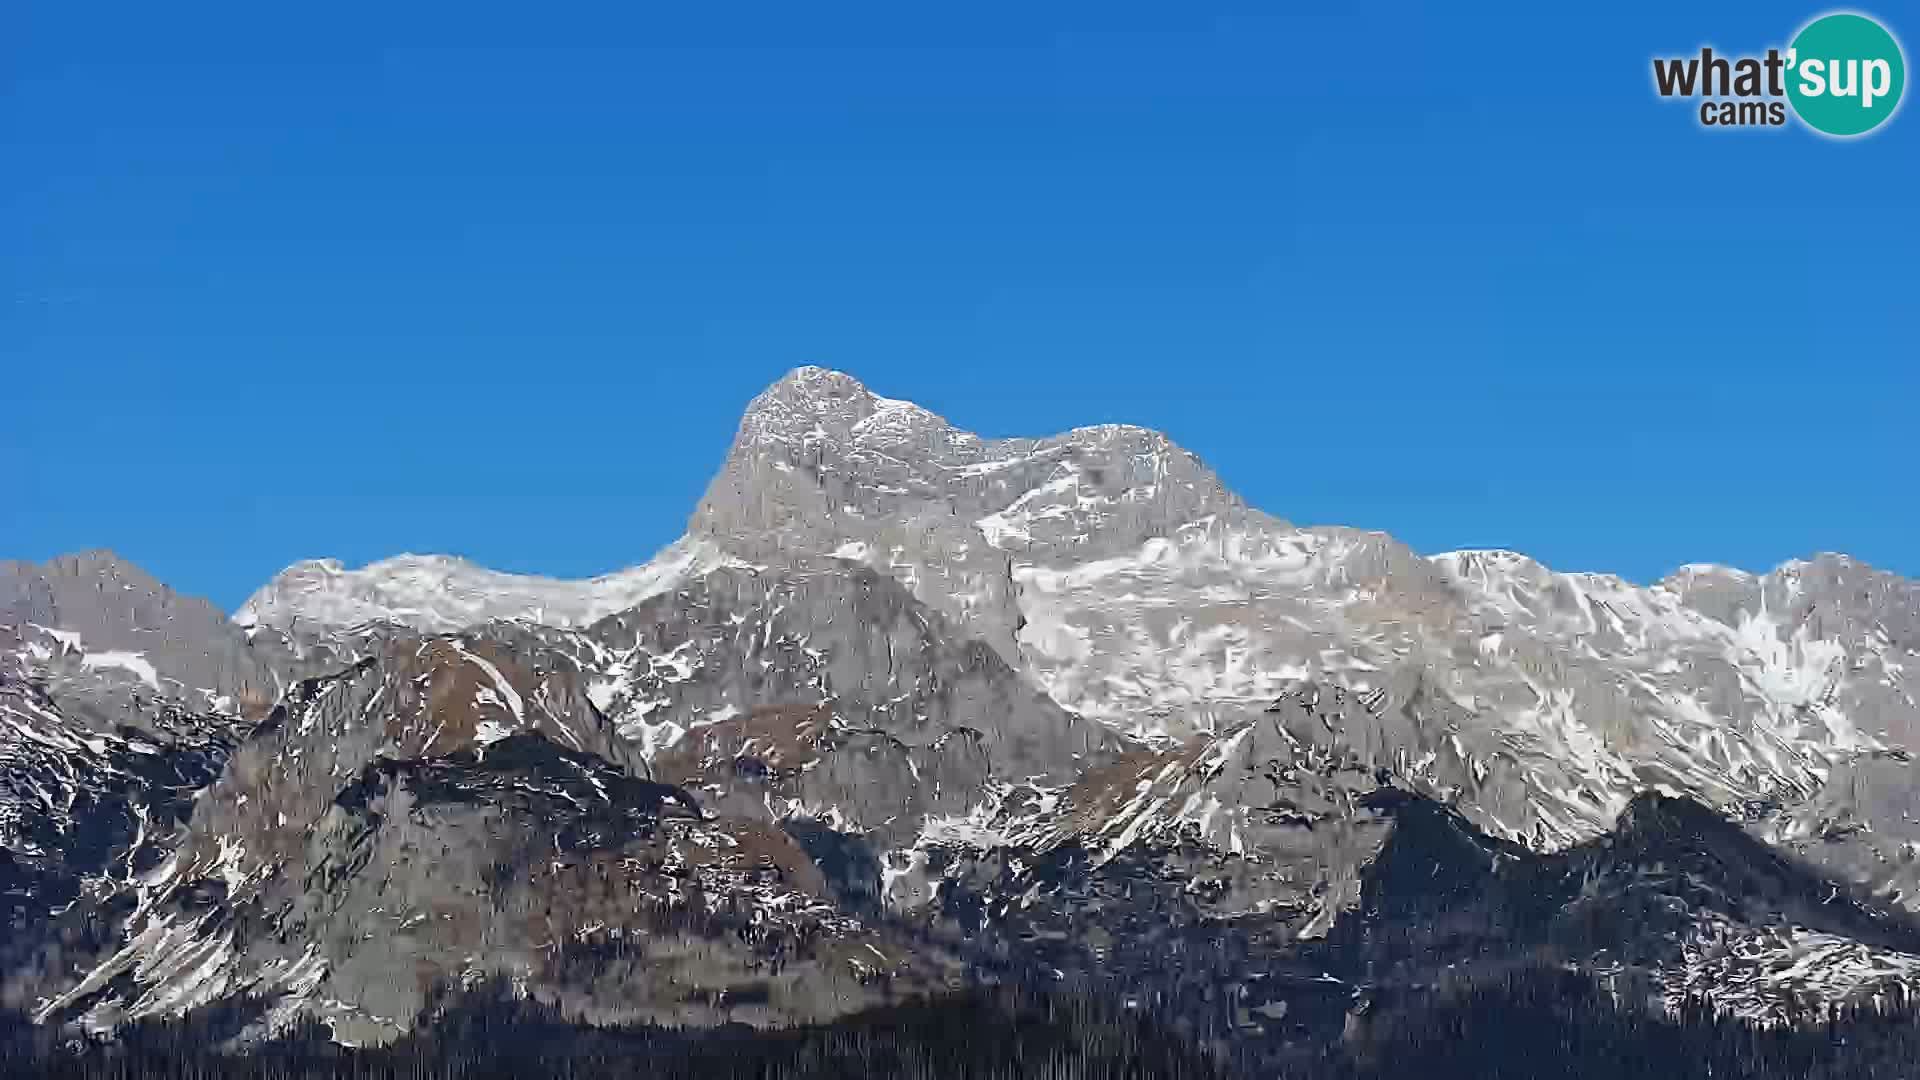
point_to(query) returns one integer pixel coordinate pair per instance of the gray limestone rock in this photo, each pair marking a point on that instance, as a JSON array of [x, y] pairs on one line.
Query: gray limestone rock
[[922, 705]]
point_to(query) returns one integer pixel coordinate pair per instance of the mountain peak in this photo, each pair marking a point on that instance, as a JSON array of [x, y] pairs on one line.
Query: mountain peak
[[812, 385], [812, 390], [816, 379], [809, 405]]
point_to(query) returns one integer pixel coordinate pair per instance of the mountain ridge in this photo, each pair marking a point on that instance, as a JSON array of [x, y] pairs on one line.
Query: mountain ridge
[[791, 408], [1114, 570], [939, 707], [247, 614]]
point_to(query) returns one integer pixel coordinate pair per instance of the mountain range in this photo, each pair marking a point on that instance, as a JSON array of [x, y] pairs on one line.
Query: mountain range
[[908, 710]]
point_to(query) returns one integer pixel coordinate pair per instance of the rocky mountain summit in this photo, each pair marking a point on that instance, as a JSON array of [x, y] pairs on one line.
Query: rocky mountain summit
[[907, 708]]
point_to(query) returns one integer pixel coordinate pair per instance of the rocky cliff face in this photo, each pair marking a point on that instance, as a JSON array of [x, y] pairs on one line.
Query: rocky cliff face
[[908, 707]]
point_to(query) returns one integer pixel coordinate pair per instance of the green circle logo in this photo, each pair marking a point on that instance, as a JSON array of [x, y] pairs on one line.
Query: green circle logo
[[1845, 74]]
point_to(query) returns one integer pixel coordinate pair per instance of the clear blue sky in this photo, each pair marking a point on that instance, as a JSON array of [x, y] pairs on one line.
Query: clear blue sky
[[280, 282]]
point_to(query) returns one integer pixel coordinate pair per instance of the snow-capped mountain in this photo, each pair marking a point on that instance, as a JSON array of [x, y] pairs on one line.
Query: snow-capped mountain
[[1116, 571], [441, 592], [905, 702]]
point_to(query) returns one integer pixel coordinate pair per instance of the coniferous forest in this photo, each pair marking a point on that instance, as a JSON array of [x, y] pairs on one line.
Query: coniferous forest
[[1538, 1023]]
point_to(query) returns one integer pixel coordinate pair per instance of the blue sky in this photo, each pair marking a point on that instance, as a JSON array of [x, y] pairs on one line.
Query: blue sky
[[289, 282]]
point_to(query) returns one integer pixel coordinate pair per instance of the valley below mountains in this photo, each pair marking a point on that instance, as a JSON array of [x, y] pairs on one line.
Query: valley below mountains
[[908, 713]]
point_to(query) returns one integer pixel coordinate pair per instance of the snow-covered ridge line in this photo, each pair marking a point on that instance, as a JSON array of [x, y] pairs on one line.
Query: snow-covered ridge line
[[440, 592], [1507, 558]]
